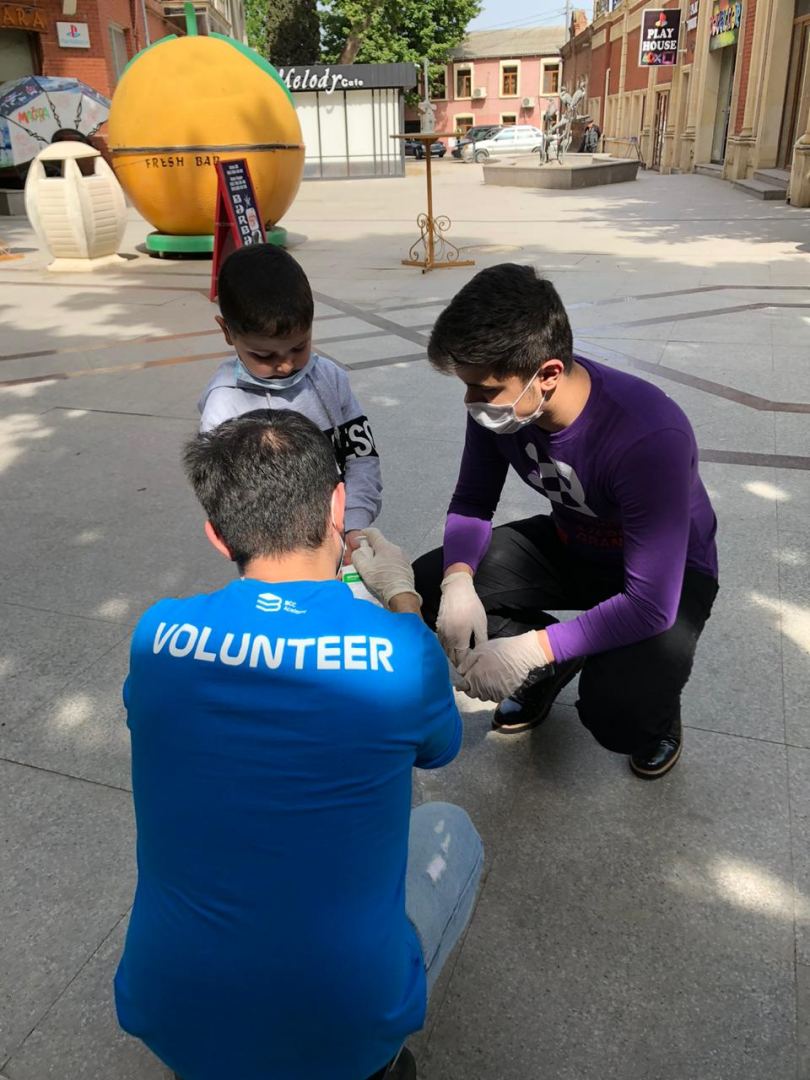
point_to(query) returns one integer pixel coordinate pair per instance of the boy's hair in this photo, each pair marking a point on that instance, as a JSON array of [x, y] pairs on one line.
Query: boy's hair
[[262, 290], [507, 320], [265, 480]]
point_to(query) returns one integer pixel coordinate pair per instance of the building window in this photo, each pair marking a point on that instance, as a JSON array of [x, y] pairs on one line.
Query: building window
[[438, 85], [464, 78], [118, 47], [551, 79], [507, 119], [463, 124], [509, 80]]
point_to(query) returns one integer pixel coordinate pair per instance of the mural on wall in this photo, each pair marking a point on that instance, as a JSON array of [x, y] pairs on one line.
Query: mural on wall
[[33, 109], [186, 103]]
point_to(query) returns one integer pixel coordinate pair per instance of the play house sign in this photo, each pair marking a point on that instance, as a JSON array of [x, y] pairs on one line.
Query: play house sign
[[660, 28]]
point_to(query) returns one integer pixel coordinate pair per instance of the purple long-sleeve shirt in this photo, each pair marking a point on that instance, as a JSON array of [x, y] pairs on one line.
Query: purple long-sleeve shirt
[[624, 489]]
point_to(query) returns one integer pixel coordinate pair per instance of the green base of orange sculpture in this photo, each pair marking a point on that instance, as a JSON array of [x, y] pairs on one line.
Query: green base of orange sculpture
[[163, 244]]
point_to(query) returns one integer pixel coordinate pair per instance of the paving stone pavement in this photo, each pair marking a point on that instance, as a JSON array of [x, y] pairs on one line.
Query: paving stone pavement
[[624, 930]]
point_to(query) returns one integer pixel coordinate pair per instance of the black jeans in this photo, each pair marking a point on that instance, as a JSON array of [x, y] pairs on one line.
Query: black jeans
[[628, 697]]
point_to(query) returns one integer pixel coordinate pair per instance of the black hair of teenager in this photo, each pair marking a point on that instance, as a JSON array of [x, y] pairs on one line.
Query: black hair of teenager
[[507, 320], [262, 290], [265, 479]]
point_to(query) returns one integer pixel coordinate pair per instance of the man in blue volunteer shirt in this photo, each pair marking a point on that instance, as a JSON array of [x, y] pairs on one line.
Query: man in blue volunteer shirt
[[291, 913]]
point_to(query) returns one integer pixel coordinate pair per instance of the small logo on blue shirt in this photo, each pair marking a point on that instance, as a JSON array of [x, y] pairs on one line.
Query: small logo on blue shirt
[[271, 603]]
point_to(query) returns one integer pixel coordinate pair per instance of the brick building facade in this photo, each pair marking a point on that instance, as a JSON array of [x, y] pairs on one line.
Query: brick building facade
[[737, 102], [93, 40]]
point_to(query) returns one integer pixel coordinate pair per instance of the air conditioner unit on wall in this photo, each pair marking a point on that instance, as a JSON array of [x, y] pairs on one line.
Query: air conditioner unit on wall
[[527, 103], [480, 92]]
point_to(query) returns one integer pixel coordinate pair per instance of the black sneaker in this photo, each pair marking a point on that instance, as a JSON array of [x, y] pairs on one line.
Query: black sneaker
[[659, 757], [403, 1067], [530, 705]]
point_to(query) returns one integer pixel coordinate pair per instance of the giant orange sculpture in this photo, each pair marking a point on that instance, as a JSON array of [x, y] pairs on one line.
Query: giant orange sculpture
[[185, 103]]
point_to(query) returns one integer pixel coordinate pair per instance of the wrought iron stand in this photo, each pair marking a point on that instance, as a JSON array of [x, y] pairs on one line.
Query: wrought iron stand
[[432, 251]]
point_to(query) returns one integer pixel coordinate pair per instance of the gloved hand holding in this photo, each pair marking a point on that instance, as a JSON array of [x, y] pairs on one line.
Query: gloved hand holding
[[461, 616], [496, 669], [384, 567]]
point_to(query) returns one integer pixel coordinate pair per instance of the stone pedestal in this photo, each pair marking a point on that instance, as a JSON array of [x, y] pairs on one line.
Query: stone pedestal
[[800, 174], [576, 171], [739, 156], [12, 203]]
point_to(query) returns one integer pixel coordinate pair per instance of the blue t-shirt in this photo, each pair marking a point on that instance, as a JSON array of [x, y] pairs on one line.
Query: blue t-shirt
[[274, 728]]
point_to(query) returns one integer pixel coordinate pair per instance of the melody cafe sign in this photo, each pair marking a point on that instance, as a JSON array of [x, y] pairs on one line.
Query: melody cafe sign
[[318, 78], [660, 28]]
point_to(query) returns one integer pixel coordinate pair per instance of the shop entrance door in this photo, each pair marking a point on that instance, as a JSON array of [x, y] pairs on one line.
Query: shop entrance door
[[797, 91], [661, 111], [728, 57], [16, 55]]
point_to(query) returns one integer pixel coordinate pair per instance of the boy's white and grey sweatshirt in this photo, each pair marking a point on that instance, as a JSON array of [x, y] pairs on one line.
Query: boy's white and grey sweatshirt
[[325, 396]]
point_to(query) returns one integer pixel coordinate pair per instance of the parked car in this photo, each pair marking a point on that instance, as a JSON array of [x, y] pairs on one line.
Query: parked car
[[480, 131], [515, 139], [416, 149]]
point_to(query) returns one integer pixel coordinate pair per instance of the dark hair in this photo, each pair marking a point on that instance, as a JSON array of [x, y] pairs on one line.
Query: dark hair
[[507, 320], [265, 480], [262, 290], [70, 135]]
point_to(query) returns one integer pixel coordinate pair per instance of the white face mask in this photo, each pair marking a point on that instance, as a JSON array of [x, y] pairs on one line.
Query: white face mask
[[502, 419], [247, 378]]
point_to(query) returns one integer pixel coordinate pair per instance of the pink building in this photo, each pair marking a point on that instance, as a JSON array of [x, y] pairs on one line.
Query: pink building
[[499, 77]]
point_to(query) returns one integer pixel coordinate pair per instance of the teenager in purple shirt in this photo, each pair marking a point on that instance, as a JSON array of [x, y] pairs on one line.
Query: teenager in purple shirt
[[629, 542]]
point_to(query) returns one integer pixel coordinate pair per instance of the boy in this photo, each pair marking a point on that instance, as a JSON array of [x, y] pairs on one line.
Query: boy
[[267, 310], [630, 541]]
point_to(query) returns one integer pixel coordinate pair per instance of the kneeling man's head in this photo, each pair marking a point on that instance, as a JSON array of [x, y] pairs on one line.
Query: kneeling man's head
[[269, 484], [506, 335]]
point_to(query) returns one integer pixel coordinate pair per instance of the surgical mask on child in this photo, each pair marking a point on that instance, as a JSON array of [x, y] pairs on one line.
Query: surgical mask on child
[[502, 419], [245, 377]]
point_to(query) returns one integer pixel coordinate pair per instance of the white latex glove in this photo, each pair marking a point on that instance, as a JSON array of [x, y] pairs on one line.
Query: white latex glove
[[384, 567], [461, 616], [496, 669]]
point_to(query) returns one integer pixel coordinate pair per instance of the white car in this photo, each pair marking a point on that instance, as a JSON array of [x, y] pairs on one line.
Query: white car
[[515, 139]]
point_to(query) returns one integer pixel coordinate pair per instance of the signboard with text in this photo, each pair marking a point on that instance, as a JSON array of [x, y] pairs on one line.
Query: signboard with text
[[332, 78], [725, 24], [21, 17], [660, 28], [238, 221]]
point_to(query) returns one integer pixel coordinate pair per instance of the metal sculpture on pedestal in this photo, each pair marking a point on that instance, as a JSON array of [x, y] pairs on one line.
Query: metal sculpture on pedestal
[[426, 108], [558, 129]]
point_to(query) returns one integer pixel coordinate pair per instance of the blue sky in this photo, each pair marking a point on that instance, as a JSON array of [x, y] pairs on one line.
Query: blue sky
[[507, 14]]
